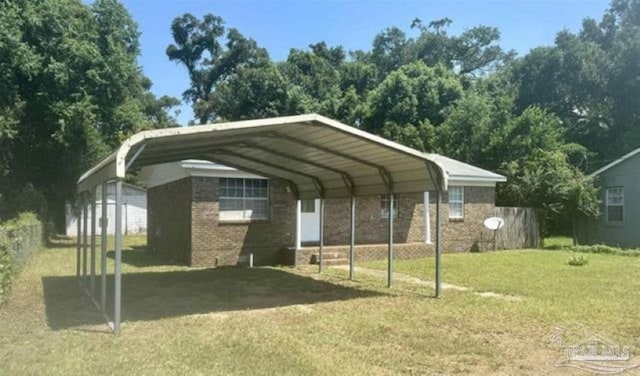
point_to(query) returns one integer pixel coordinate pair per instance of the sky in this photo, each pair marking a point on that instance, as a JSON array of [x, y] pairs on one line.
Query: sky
[[279, 25]]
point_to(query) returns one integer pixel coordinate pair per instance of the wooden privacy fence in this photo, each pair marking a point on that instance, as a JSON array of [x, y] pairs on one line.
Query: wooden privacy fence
[[520, 228]]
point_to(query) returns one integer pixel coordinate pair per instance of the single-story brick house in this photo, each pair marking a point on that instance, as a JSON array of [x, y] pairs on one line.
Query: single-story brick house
[[206, 214]]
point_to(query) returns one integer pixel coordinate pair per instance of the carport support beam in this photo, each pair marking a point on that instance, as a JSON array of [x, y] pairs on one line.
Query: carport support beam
[[321, 246], [78, 236], [438, 243], [118, 259], [93, 195], [390, 247], [352, 238], [103, 249], [298, 228], [85, 232]]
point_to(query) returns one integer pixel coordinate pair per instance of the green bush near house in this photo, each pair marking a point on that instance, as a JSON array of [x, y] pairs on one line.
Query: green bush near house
[[20, 238], [562, 244], [578, 261]]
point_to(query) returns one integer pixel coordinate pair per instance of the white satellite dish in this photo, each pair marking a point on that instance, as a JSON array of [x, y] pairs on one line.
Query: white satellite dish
[[494, 223]]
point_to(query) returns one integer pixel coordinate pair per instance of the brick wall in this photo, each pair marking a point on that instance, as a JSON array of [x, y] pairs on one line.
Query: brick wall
[[169, 220], [459, 234], [468, 233], [184, 223], [371, 228], [363, 252], [229, 243]]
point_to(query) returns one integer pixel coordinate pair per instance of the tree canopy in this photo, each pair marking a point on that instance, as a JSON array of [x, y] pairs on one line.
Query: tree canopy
[[543, 119], [70, 91]]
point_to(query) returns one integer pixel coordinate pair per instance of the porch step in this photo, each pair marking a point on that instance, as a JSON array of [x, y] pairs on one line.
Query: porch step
[[335, 261], [331, 258], [332, 255]]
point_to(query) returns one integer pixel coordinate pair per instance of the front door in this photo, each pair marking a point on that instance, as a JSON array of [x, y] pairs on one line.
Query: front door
[[310, 220]]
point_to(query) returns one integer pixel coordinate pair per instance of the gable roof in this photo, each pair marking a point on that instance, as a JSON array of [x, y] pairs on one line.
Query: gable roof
[[459, 172], [464, 172], [616, 162]]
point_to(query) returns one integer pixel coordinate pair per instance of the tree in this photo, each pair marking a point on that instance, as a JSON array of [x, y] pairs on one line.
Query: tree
[[414, 94], [70, 91], [316, 74], [536, 163], [475, 51], [210, 56], [589, 80], [252, 93]]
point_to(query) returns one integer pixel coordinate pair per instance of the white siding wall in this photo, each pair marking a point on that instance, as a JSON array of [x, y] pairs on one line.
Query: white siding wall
[[134, 214]]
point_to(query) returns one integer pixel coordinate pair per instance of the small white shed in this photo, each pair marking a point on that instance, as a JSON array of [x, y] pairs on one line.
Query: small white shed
[[134, 211]]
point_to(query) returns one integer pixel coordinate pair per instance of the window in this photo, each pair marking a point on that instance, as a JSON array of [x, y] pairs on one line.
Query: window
[[384, 206], [456, 202], [308, 206], [615, 204], [243, 199]]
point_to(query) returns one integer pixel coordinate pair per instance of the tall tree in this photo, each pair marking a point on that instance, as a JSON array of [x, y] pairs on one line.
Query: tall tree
[[71, 89], [211, 54], [414, 96], [590, 80]]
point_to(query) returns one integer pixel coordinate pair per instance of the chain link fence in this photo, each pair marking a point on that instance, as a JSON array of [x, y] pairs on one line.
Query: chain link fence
[[19, 240]]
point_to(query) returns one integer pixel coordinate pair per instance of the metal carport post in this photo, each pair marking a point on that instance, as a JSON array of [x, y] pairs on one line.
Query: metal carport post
[[117, 277], [438, 253], [86, 273]]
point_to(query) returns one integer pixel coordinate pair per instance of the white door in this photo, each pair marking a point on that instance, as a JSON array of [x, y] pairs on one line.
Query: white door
[[310, 220]]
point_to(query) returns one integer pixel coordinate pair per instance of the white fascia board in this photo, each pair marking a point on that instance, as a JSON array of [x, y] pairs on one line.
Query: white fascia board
[[204, 165], [471, 183], [210, 169], [161, 174], [225, 174], [479, 179], [615, 163]]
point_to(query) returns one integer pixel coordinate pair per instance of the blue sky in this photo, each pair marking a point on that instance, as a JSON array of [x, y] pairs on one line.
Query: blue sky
[[284, 24]]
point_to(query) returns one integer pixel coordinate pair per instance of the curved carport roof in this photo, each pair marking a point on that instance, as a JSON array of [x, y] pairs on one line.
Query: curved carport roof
[[316, 156]]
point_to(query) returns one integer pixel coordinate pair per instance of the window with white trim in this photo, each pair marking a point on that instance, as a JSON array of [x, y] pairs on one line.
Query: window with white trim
[[384, 206], [615, 204], [243, 199], [456, 202]]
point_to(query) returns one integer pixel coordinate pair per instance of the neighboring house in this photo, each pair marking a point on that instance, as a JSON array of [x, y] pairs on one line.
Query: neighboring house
[[134, 212], [205, 214], [619, 221]]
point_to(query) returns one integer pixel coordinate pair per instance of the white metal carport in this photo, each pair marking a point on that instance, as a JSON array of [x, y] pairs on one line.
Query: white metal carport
[[315, 156]]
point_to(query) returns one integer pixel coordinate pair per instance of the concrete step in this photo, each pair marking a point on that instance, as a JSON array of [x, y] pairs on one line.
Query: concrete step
[[332, 255], [336, 261]]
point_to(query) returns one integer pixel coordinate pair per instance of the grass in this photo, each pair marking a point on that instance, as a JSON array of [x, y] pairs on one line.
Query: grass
[[602, 294], [557, 242], [275, 320]]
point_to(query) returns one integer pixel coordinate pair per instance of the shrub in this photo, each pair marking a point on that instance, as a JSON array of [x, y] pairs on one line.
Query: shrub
[[578, 261], [7, 270], [598, 249], [20, 238]]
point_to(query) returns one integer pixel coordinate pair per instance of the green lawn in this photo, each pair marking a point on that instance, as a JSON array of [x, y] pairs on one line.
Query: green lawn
[[558, 242], [286, 321]]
